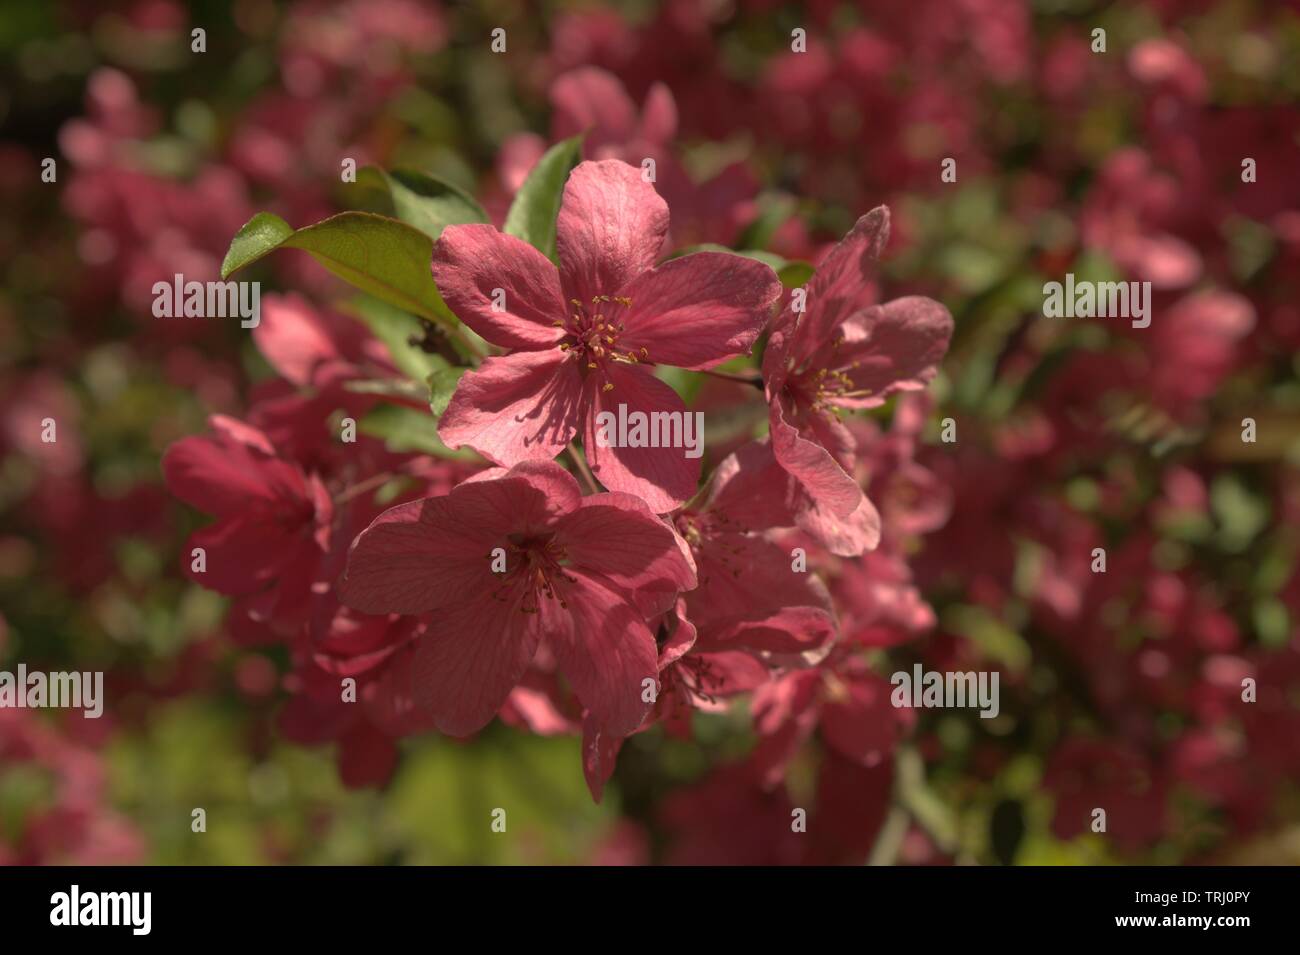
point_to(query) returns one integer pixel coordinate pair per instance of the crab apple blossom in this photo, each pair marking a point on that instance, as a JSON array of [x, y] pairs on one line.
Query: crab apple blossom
[[749, 598], [580, 575], [273, 520], [593, 101], [844, 352], [583, 337], [844, 701]]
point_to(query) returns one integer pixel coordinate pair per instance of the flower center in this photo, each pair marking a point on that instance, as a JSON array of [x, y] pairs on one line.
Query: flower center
[[820, 390], [535, 563], [593, 333]]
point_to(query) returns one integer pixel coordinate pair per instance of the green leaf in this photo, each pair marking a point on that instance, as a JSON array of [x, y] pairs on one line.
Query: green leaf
[[532, 214], [442, 385], [382, 256], [395, 328], [405, 429], [426, 202], [795, 274]]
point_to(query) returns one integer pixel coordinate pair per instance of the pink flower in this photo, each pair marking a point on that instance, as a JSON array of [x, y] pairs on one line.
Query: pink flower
[[844, 352], [581, 574], [592, 101], [843, 699], [273, 520], [750, 598], [317, 348], [582, 336]]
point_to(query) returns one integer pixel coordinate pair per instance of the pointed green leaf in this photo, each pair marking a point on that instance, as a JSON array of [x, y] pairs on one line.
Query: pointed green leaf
[[532, 215], [426, 202], [442, 385], [381, 256], [395, 328]]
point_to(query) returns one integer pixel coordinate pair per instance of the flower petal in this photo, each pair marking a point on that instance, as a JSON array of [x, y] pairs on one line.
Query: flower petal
[[746, 578], [844, 281], [659, 115], [893, 347], [231, 471], [663, 477], [599, 754], [593, 101], [432, 553], [699, 310], [843, 535], [809, 463], [750, 489], [242, 554], [610, 229], [472, 657], [618, 536], [474, 266], [518, 407], [301, 341], [604, 650]]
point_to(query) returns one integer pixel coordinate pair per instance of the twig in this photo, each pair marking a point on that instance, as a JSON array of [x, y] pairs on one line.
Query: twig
[[580, 463], [756, 380]]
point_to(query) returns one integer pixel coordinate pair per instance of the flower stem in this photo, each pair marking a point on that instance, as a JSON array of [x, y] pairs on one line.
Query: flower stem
[[580, 464], [369, 484], [756, 380]]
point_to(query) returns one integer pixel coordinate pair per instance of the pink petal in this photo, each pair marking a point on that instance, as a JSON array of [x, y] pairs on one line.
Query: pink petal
[[604, 650], [786, 632], [812, 466], [894, 347], [474, 263], [852, 801], [662, 477], [223, 475], [297, 339], [698, 310], [863, 727], [748, 578], [599, 755], [437, 552], [619, 537], [610, 229], [844, 536], [533, 705], [472, 658], [516, 159], [243, 554], [366, 757], [785, 715], [518, 407], [750, 489], [681, 636], [659, 116], [532, 497], [593, 101], [416, 557], [844, 281]]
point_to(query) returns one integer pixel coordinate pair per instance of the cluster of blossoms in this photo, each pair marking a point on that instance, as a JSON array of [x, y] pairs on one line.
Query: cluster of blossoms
[[519, 566], [506, 590]]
